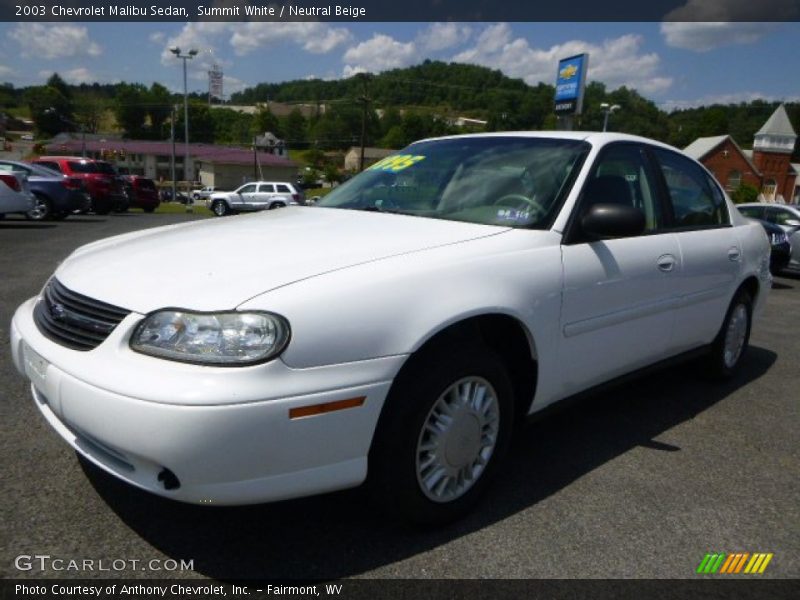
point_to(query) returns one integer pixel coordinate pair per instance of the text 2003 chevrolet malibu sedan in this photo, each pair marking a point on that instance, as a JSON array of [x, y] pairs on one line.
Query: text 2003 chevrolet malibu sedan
[[398, 329]]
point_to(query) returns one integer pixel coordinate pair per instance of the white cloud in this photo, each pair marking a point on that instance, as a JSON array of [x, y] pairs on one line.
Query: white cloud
[[379, 53], [6, 71], [734, 10], [314, 37], [157, 37], [439, 36], [54, 41], [79, 75], [702, 37], [615, 62]]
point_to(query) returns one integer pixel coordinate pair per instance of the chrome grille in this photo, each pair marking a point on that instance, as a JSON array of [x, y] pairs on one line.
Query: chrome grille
[[74, 320]]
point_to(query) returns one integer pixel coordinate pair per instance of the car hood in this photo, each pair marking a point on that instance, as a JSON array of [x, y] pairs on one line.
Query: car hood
[[219, 264]]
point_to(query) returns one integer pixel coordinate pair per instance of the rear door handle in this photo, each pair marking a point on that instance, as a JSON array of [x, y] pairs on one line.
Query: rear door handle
[[666, 262], [734, 254]]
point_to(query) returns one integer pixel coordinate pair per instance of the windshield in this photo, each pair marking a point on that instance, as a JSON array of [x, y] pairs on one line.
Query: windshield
[[508, 181]]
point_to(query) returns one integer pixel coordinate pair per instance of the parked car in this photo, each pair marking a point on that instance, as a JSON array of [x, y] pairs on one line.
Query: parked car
[[204, 193], [780, 248], [142, 193], [166, 196], [15, 196], [785, 216], [101, 181], [257, 195], [56, 196], [409, 321]]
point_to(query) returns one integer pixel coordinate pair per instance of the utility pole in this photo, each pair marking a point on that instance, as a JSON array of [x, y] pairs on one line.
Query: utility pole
[[172, 158], [255, 159], [364, 99], [185, 57]]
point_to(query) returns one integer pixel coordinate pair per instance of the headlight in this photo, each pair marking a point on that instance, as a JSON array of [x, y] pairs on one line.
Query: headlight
[[222, 339]]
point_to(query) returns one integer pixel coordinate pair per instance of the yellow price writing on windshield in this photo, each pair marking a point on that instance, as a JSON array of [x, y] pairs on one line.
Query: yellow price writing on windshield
[[396, 163]]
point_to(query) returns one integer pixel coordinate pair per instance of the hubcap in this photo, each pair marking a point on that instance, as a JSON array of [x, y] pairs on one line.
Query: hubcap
[[219, 209], [457, 439], [39, 209], [735, 335]]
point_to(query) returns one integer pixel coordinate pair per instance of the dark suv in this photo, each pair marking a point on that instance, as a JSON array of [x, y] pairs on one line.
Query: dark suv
[[101, 180], [142, 192]]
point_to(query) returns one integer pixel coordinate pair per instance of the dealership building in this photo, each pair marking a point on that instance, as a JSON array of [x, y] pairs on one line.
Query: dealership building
[[767, 167], [223, 167]]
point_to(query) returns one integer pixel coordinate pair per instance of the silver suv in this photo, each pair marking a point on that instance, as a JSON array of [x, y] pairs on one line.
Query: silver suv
[[256, 195]]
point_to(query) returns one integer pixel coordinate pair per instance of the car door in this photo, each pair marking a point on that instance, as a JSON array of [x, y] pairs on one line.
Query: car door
[[284, 193], [710, 251], [266, 191], [618, 296], [244, 197]]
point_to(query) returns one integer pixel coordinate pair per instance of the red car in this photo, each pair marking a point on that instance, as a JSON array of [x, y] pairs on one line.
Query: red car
[[142, 193], [102, 182]]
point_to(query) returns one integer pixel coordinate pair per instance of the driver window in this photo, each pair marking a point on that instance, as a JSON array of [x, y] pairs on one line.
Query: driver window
[[248, 189], [621, 177]]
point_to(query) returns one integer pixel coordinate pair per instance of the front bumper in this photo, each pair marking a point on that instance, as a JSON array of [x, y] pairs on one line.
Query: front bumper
[[225, 433]]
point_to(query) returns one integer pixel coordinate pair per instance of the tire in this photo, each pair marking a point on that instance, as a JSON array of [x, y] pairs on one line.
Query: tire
[[422, 474], [733, 338], [43, 209], [149, 209], [275, 205], [220, 208], [60, 216]]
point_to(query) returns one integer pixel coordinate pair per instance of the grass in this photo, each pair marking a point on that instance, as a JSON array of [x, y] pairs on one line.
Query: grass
[[174, 208], [311, 192]]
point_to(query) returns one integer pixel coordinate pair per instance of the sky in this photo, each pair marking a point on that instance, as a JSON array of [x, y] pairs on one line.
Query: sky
[[674, 64]]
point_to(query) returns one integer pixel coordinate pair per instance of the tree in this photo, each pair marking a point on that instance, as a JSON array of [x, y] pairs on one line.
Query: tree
[[130, 108], [159, 108], [266, 121], [90, 108], [201, 123], [51, 111], [745, 193], [295, 127]]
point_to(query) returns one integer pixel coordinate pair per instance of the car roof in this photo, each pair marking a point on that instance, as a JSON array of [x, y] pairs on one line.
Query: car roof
[[79, 158], [774, 204], [593, 137]]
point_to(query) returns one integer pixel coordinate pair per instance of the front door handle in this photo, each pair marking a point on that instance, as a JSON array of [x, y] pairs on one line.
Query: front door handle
[[666, 262], [734, 254]]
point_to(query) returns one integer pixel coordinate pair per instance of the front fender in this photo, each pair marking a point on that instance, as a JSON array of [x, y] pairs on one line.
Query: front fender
[[393, 306]]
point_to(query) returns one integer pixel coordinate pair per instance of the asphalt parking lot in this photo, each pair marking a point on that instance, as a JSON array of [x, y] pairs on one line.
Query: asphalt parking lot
[[640, 481]]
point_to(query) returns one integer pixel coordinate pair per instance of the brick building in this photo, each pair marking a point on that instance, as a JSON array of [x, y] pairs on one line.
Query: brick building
[[767, 167]]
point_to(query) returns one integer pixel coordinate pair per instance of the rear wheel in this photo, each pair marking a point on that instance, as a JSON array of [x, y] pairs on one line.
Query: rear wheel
[[42, 209], [149, 209], [733, 339], [220, 208], [445, 428], [276, 205]]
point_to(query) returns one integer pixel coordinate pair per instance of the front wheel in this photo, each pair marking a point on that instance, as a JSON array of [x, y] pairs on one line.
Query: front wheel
[[733, 339], [445, 428], [220, 208]]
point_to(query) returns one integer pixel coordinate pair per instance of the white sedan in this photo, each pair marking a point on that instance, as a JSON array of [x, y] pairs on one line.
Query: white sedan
[[418, 312]]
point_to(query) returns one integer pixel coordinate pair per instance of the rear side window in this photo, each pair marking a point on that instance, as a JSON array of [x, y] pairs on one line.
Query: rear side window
[[283, 189], [266, 187], [50, 165], [81, 167], [147, 184], [692, 196]]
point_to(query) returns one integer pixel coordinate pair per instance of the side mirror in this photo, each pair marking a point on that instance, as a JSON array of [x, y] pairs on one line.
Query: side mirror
[[613, 221]]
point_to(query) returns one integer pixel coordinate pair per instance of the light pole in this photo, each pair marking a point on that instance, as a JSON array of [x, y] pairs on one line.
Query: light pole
[[607, 110], [184, 57]]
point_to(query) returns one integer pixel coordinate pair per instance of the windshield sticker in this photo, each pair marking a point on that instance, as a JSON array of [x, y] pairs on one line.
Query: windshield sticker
[[510, 214], [396, 163]]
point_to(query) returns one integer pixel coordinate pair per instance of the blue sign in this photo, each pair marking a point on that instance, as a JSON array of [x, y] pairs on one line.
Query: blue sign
[[570, 82]]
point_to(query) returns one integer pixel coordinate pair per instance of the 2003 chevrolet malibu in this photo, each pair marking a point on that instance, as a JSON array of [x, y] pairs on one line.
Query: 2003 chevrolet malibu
[[397, 330]]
